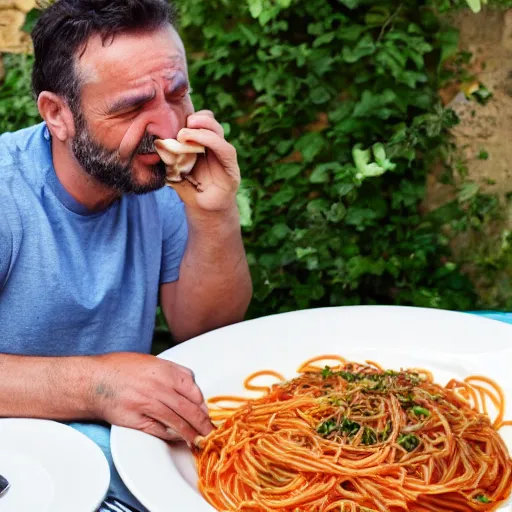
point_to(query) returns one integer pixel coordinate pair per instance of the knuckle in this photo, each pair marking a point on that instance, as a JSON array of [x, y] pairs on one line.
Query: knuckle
[[196, 395], [232, 152], [183, 380]]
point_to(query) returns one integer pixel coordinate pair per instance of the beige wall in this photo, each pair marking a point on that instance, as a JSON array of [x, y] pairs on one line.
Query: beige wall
[[12, 18]]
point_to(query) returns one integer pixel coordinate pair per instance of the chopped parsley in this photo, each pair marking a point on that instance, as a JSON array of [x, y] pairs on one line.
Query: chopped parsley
[[408, 442], [327, 427], [369, 436], [420, 411], [349, 427], [380, 379], [385, 433]]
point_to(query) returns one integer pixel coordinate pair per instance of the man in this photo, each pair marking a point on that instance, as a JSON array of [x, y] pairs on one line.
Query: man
[[89, 235]]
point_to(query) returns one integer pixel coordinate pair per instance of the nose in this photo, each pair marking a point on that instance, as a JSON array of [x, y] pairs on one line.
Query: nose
[[165, 120]]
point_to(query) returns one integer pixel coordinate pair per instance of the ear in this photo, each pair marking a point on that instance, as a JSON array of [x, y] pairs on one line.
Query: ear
[[57, 114]]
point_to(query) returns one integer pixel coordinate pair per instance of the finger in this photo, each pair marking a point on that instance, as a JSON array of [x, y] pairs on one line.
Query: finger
[[224, 151], [183, 372], [187, 388], [185, 385], [172, 421], [203, 112], [201, 120], [156, 429], [190, 412], [184, 369]]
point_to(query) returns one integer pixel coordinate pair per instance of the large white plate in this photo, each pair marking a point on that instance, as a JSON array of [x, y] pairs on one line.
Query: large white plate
[[163, 477], [51, 468]]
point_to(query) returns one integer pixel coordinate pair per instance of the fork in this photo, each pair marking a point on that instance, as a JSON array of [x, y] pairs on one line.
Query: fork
[[4, 485]]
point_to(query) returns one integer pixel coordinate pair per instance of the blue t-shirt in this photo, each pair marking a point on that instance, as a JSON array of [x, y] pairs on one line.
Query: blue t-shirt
[[74, 282]]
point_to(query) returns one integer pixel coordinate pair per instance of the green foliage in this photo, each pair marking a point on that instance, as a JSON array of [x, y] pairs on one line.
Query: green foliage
[[17, 106], [475, 5], [333, 108]]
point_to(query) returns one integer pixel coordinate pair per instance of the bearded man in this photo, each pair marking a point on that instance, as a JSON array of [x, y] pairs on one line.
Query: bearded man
[[90, 236]]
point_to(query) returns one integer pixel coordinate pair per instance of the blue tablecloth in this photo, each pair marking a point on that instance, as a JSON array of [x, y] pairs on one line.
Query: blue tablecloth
[[494, 315]]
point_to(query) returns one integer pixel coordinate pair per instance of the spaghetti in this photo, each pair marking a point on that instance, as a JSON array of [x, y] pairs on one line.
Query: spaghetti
[[356, 438]]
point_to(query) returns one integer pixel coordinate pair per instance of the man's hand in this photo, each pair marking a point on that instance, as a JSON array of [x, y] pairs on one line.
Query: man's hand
[[150, 394], [217, 172]]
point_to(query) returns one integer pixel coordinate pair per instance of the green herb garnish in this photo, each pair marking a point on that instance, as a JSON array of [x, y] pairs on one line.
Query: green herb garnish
[[409, 442], [420, 411], [326, 372], [349, 427], [385, 433], [326, 427], [369, 436]]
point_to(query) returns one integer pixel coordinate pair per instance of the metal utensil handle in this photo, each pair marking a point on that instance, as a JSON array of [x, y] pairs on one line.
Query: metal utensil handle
[[4, 485]]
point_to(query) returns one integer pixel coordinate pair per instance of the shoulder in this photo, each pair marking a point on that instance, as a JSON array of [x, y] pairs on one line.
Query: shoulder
[[23, 150]]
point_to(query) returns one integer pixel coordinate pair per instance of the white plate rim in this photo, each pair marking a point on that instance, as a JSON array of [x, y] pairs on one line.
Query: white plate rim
[[94, 453]]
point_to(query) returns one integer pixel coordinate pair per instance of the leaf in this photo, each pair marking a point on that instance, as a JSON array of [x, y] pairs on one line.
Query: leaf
[[468, 191], [279, 232], [363, 48], [243, 199], [283, 196], [317, 206], [371, 103], [351, 32], [448, 38], [30, 20], [320, 95], [323, 39], [336, 213], [255, 7], [321, 173], [251, 37], [225, 100], [310, 145], [304, 252], [360, 216], [377, 16], [351, 4], [475, 5], [287, 171]]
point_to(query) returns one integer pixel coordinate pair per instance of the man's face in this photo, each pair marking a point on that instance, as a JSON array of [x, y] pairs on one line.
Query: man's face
[[136, 90]]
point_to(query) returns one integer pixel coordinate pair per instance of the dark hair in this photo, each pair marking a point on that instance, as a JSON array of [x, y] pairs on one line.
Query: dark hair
[[64, 28]]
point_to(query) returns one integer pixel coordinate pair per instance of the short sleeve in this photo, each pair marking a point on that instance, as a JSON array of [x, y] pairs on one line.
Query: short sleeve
[[5, 251], [175, 235]]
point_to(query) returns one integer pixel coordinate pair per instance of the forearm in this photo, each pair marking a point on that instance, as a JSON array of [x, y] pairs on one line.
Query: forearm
[[58, 388], [215, 286]]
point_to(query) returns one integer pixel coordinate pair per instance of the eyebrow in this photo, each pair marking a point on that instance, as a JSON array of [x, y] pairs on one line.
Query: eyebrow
[[126, 102], [176, 84]]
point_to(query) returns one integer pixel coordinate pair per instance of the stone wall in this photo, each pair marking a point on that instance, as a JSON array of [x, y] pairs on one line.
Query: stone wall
[[483, 128], [12, 18]]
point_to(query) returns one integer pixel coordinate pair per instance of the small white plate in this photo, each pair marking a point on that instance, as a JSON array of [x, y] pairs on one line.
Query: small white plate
[[51, 468], [163, 477]]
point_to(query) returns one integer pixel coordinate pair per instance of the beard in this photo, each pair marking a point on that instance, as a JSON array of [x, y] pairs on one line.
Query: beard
[[105, 165]]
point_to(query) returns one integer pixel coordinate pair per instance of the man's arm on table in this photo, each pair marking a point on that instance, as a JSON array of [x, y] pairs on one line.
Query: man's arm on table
[[163, 400]]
